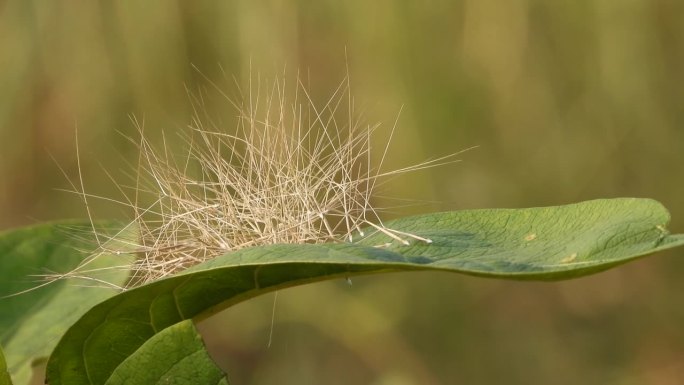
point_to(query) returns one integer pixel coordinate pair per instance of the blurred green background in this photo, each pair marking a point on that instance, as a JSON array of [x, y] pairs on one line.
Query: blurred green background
[[567, 100]]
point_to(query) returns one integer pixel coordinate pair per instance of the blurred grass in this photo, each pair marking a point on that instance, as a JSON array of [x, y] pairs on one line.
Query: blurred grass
[[567, 100]]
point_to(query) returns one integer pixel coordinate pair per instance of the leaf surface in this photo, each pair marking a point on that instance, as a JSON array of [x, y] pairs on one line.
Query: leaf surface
[[174, 356], [32, 322], [4, 374], [546, 243]]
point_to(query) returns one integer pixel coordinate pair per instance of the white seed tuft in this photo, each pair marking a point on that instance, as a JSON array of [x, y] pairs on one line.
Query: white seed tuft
[[290, 171]]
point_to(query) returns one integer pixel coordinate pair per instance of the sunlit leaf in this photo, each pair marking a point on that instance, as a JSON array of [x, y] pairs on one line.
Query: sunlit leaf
[[175, 355], [538, 243], [32, 322], [4, 375]]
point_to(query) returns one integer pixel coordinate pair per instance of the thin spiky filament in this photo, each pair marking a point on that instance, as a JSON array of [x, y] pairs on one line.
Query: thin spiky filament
[[289, 172]]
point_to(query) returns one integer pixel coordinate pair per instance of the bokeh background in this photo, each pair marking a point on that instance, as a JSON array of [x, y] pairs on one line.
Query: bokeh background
[[567, 101]]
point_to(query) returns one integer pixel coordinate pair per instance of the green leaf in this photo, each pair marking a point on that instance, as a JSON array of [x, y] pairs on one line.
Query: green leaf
[[174, 356], [537, 243], [4, 374], [32, 322]]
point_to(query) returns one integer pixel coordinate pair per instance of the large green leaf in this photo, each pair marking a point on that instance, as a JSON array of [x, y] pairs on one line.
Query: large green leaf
[[537, 243], [4, 375], [32, 322], [174, 356]]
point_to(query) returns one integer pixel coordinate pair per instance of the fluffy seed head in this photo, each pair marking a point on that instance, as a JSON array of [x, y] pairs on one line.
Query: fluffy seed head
[[287, 171]]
